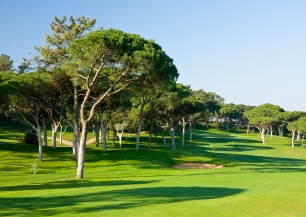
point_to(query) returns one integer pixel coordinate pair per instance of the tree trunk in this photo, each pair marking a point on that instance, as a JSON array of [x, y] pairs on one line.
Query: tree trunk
[[120, 138], [164, 139], [139, 127], [263, 135], [45, 132], [172, 137], [62, 133], [190, 130], [271, 131], [114, 137], [76, 128], [150, 137], [248, 128], [103, 129], [54, 132], [97, 130], [81, 152], [298, 137], [280, 131], [38, 130], [183, 131], [227, 125], [292, 139]]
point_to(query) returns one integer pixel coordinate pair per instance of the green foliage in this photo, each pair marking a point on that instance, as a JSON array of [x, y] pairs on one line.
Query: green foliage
[[263, 115], [5, 63]]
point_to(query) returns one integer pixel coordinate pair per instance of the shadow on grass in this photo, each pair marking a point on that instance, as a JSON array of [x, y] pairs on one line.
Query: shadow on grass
[[242, 148], [70, 185], [109, 200]]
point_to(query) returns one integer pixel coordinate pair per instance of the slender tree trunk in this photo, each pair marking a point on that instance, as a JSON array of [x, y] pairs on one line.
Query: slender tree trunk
[[103, 129], [139, 127], [298, 137], [263, 135], [172, 134], [183, 131], [39, 143], [302, 139], [97, 130], [120, 135], [248, 128], [45, 132], [150, 137], [76, 128], [164, 139], [114, 137], [292, 139], [81, 151], [271, 131], [227, 126], [190, 131], [54, 132], [62, 133]]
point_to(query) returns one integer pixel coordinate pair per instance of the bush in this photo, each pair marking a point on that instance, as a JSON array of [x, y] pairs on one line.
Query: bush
[[30, 137]]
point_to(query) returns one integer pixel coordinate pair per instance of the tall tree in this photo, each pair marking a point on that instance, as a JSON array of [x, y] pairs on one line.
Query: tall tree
[[55, 52], [27, 95], [118, 59]]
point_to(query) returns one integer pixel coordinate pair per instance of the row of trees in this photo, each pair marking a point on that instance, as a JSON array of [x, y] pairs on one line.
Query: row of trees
[[110, 80], [99, 79]]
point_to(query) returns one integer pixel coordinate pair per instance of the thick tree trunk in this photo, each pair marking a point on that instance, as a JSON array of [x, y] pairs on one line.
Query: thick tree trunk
[[45, 132], [81, 151], [139, 127]]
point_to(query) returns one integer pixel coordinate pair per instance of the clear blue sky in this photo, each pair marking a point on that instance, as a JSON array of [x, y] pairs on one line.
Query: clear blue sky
[[248, 51]]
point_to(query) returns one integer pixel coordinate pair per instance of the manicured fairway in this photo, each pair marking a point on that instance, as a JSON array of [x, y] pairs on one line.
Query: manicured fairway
[[258, 180]]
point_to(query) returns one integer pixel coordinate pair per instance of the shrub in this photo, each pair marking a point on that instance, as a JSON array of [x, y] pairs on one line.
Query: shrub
[[30, 137]]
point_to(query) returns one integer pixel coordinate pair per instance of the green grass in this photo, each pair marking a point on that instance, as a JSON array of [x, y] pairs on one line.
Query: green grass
[[258, 180]]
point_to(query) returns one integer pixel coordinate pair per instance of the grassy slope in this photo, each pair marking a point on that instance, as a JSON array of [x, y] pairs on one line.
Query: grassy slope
[[259, 180]]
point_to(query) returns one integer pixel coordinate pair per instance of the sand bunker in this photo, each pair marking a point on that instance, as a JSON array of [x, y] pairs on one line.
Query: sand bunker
[[197, 166]]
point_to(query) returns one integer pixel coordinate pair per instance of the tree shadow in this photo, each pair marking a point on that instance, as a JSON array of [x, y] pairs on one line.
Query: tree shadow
[[110, 200], [70, 184], [242, 148]]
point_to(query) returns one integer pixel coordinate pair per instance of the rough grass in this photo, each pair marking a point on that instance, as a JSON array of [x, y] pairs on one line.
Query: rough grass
[[258, 180]]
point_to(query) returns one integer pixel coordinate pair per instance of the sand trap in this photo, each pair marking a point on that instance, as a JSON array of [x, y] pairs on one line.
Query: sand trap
[[197, 166]]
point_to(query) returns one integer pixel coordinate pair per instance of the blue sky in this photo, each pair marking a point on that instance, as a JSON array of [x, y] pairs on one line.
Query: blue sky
[[249, 52]]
